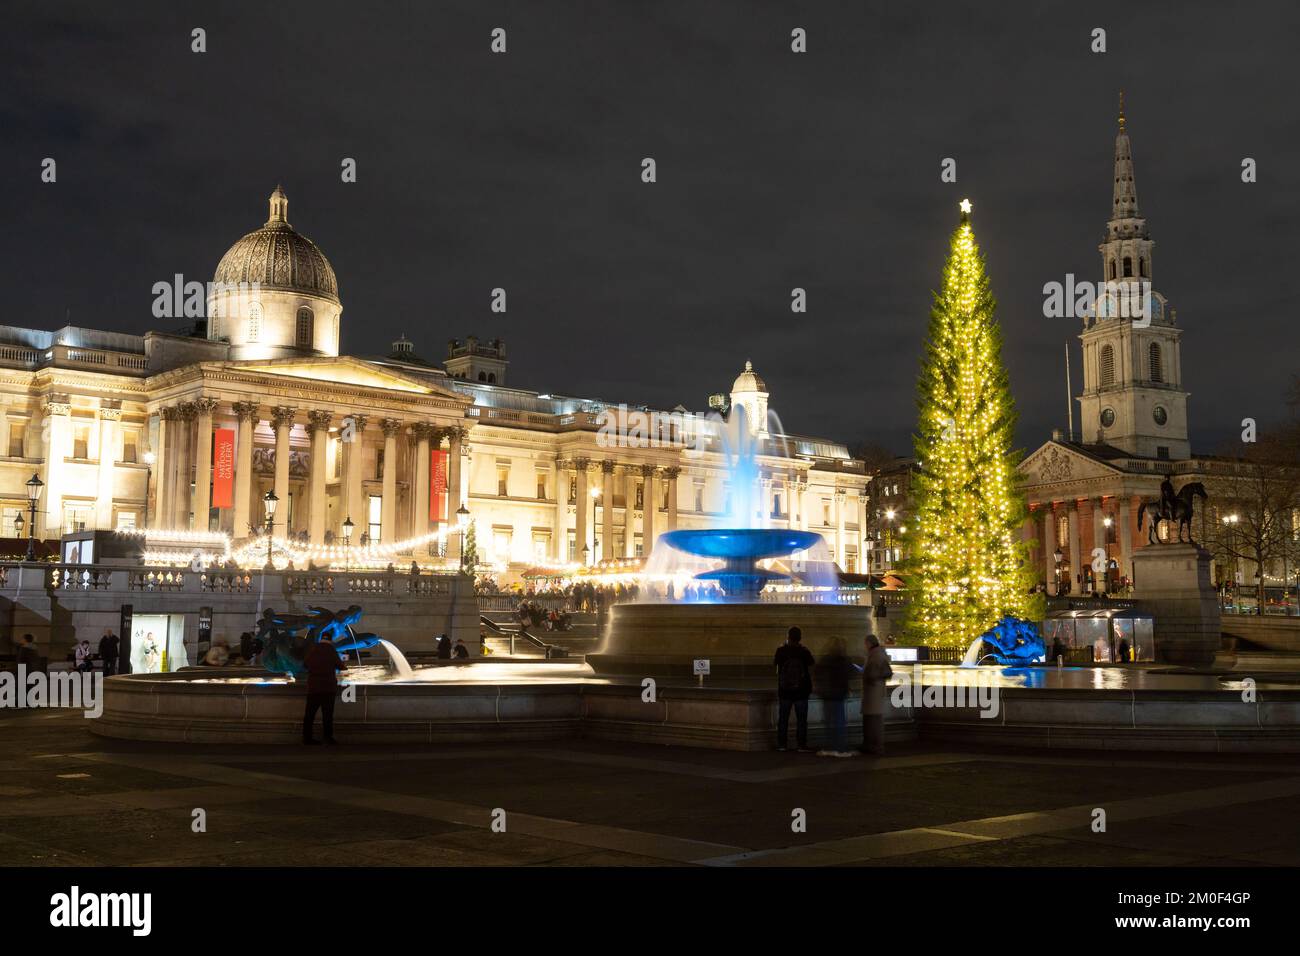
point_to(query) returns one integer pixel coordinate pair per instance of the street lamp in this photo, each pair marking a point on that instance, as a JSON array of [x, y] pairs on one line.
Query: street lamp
[[462, 522], [1058, 556], [34, 486], [348, 527], [269, 502], [149, 459]]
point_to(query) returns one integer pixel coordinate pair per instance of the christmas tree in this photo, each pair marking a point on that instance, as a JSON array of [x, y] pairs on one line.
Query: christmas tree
[[968, 566], [469, 558]]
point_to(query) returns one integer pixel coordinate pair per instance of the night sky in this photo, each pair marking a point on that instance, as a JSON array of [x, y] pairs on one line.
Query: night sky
[[775, 170]]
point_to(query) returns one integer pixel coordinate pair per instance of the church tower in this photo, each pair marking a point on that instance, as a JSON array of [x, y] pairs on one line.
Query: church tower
[[1133, 397]]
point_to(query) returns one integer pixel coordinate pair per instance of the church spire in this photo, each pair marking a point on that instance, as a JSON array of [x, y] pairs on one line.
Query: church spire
[[1125, 204]]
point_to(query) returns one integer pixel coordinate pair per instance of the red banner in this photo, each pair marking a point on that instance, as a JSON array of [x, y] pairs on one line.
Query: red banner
[[223, 468], [438, 485]]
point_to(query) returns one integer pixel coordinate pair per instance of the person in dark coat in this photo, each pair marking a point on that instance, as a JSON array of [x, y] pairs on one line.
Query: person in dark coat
[[323, 664], [460, 651], [833, 672], [874, 674], [793, 664], [444, 648], [27, 654], [108, 651]]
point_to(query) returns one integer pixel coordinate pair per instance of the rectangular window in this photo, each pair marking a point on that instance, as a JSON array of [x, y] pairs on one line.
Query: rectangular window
[[541, 546], [126, 520], [81, 442], [541, 487], [374, 518], [503, 481], [699, 500], [572, 549], [77, 516], [501, 545], [17, 434], [7, 516], [130, 447]]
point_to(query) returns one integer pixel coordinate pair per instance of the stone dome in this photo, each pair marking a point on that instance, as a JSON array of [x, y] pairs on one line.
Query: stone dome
[[748, 381], [278, 257]]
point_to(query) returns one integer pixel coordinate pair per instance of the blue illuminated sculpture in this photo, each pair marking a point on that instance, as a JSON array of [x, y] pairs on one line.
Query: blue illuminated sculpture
[[1014, 642], [285, 646]]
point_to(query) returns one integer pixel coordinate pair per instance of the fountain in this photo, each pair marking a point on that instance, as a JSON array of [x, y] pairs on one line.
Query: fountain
[[738, 626]]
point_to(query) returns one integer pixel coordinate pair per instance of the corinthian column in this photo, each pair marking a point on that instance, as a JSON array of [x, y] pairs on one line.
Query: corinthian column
[[108, 419], [422, 432], [649, 506], [164, 466], [670, 474], [455, 493], [388, 506], [282, 421], [629, 510], [202, 501], [246, 413], [353, 438], [581, 505], [607, 510], [320, 436], [183, 502]]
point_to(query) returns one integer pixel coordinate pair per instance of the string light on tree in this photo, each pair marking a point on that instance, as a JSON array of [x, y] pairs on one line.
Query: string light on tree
[[968, 566]]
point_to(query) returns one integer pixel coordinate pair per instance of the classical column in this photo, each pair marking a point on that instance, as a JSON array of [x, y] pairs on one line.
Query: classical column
[[1049, 545], [108, 419], [607, 510], [201, 504], [1099, 541], [862, 531], [839, 526], [559, 533], [1125, 519], [671, 475], [161, 463], [282, 422], [246, 413], [58, 414], [629, 511], [388, 506], [1076, 565], [183, 501], [456, 448], [423, 433], [353, 436], [582, 503], [649, 505], [320, 437]]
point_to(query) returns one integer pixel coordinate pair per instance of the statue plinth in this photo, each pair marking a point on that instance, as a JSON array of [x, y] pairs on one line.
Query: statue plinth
[[1172, 582]]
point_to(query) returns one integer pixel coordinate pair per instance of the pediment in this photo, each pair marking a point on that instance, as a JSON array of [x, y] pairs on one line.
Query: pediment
[[1055, 462], [344, 370]]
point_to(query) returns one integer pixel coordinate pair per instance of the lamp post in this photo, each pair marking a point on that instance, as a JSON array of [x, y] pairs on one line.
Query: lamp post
[[269, 501], [1230, 522], [348, 527], [1058, 556], [462, 522], [149, 459], [34, 486], [595, 498]]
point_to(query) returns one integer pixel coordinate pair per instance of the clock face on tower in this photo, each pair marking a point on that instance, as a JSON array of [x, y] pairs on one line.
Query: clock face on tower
[[1107, 417], [1159, 414]]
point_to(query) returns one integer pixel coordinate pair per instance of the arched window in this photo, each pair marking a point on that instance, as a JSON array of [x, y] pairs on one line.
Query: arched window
[[1157, 365], [1107, 365], [1112, 268], [492, 378], [1142, 266], [305, 324], [1128, 267], [255, 322], [482, 376]]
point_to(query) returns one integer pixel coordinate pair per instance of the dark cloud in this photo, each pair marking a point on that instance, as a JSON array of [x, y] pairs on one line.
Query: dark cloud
[[775, 170]]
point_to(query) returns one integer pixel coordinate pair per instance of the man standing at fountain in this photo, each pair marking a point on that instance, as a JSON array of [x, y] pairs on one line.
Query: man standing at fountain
[[323, 664], [794, 665]]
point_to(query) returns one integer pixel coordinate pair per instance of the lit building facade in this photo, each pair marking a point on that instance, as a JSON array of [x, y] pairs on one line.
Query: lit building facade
[[191, 432]]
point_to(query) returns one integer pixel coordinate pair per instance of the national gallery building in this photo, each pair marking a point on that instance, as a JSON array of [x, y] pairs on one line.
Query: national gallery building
[[186, 433]]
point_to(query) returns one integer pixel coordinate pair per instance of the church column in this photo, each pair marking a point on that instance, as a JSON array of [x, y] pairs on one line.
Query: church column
[[182, 501], [629, 511], [455, 491], [320, 436], [1125, 522], [388, 505], [582, 503], [670, 474], [1076, 567], [354, 457], [649, 506], [1099, 541], [282, 422], [201, 503], [607, 509], [1049, 546], [246, 413], [58, 413], [108, 419]]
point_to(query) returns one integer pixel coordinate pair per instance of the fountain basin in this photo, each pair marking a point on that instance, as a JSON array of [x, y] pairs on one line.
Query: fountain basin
[[740, 549]]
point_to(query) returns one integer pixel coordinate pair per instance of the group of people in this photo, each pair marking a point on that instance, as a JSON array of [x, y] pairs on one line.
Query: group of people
[[84, 655], [446, 651], [532, 614], [799, 674]]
